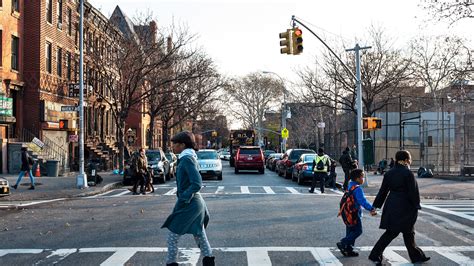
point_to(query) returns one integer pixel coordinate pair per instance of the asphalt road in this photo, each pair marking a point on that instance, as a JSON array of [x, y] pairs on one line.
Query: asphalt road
[[255, 220]]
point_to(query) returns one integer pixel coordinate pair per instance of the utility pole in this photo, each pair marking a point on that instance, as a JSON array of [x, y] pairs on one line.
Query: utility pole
[[81, 179], [359, 104]]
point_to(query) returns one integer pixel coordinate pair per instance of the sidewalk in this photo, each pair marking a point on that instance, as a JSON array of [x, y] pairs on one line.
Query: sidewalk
[[48, 188]]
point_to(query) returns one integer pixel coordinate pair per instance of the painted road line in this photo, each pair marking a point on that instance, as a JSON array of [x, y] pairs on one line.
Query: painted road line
[[171, 192], [258, 257], [292, 190], [244, 190], [337, 191], [457, 257], [4, 252], [121, 193], [459, 214], [101, 194], [26, 204], [220, 189], [268, 190], [325, 257], [119, 258], [190, 256], [460, 209], [394, 258]]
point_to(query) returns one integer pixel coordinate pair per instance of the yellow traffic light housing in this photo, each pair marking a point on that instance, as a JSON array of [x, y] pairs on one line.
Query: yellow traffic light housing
[[297, 41], [371, 123], [285, 42]]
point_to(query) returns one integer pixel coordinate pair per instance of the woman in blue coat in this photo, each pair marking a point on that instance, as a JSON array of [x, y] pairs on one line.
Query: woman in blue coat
[[190, 214]]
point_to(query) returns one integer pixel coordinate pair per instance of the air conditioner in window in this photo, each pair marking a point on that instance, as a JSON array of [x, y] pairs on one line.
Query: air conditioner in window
[[60, 25]]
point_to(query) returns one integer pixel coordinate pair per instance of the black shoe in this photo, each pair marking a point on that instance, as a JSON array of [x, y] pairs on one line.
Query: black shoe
[[376, 260], [135, 193], [342, 249], [15, 186], [208, 261], [425, 259], [311, 190], [32, 188], [352, 254], [143, 193], [172, 264]]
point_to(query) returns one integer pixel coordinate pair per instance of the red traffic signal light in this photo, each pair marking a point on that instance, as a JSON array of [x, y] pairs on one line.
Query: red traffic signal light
[[297, 41], [63, 124]]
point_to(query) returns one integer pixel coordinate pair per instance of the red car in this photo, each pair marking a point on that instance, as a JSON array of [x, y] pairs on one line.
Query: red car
[[249, 158]]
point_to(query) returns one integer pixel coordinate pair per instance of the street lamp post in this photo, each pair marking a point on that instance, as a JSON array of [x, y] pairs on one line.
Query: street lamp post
[[284, 109]]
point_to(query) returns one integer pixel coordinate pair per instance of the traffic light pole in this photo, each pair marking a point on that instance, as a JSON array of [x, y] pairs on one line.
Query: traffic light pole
[[357, 78], [283, 110], [81, 179]]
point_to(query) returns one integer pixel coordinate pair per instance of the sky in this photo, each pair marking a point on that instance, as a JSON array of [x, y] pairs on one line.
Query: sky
[[242, 36]]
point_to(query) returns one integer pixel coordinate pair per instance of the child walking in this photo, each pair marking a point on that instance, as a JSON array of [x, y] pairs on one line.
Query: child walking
[[351, 211]]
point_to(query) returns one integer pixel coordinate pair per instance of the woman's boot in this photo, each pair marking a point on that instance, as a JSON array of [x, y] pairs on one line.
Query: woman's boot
[[172, 264], [208, 261]]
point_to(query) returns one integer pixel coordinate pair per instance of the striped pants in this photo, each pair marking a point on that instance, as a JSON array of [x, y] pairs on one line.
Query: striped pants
[[201, 241]]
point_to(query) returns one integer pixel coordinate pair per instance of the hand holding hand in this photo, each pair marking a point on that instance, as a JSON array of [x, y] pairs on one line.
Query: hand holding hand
[[373, 212]]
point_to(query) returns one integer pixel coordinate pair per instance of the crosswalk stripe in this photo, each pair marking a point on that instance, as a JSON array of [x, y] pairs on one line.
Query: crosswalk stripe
[[258, 257], [171, 192], [220, 189], [457, 257], [393, 257], [459, 214], [268, 190], [461, 209], [119, 258], [292, 190], [325, 257], [244, 190]]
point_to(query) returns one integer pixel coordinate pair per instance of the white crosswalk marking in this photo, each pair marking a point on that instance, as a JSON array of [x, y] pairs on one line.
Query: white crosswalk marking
[[171, 192], [120, 194], [463, 209], [244, 190], [220, 189], [292, 190], [257, 256], [268, 190]]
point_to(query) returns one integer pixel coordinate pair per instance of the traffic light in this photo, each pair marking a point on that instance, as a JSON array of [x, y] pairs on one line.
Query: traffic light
[[63, 124], [297, 41], [285, 42], [371, 123]]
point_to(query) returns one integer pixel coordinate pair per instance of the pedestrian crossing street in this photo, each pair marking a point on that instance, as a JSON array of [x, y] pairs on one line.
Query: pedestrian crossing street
[[260, 256], [459, 208], [167, 190]]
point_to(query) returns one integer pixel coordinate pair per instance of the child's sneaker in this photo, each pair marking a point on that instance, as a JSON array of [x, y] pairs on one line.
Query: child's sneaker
[[352, 253]]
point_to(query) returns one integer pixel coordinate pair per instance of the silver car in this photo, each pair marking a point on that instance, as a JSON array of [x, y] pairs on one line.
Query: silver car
[[210, 164]]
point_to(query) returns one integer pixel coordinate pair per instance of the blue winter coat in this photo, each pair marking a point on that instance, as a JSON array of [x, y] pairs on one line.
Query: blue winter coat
[[190, 214]]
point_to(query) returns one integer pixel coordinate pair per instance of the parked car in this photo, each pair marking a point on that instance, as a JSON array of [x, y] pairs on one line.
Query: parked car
[[286, 166], [173, 163], [4, 187], [267, 153], [271, 157], [274, 163], [303, 169], [159, 164], [210, 164], [225, 155], [249, 158]]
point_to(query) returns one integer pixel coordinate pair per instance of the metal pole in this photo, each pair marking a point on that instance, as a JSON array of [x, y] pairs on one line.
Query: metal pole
[[400, 121], [283, 111], [442, 136], [81, 179], [359, 108]]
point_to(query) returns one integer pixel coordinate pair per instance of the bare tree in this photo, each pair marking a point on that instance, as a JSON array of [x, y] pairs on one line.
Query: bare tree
[[252, 96], [453, 11], [384, 70]]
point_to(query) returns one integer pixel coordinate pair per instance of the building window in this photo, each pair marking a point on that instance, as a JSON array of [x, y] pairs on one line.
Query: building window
[[15, 50], [48, 57], [15, 5], [60, 14], [69, 21], [59, 62], [49, 11], [76, 71]]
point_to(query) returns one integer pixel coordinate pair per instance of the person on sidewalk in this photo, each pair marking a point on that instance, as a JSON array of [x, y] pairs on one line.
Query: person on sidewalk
[[320, 170], [400, 210], [26, 165], [333, 175], [346, 163], [190, 214], [140, 165], [354, 224]]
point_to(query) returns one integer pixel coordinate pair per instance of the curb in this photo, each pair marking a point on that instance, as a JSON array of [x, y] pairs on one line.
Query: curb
[[102, 190]]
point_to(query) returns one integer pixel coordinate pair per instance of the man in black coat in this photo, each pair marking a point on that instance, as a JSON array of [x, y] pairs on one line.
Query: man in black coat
[[26, 164], [400, 210], [347, 165]]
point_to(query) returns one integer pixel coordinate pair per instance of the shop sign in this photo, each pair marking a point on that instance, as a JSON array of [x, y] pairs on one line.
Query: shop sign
[[52, 112], [6, 106], [73, 138]]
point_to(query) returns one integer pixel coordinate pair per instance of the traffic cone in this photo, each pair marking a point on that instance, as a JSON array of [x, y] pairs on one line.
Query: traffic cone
[[37, 171]]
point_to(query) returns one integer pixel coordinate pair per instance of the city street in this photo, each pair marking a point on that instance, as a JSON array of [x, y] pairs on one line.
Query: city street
[[255, 220]]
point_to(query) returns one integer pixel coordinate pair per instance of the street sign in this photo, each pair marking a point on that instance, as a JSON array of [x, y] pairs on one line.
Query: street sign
[[73, 138], [285, 133], [68, 108], [74, 89], [38, 142]]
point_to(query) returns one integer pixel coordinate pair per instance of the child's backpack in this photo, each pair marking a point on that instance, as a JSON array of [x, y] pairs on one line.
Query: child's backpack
[[347, 208]]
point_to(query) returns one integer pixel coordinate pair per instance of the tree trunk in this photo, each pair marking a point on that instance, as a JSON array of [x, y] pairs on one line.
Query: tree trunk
[[150, 136], [164, 130], [121, 145]]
